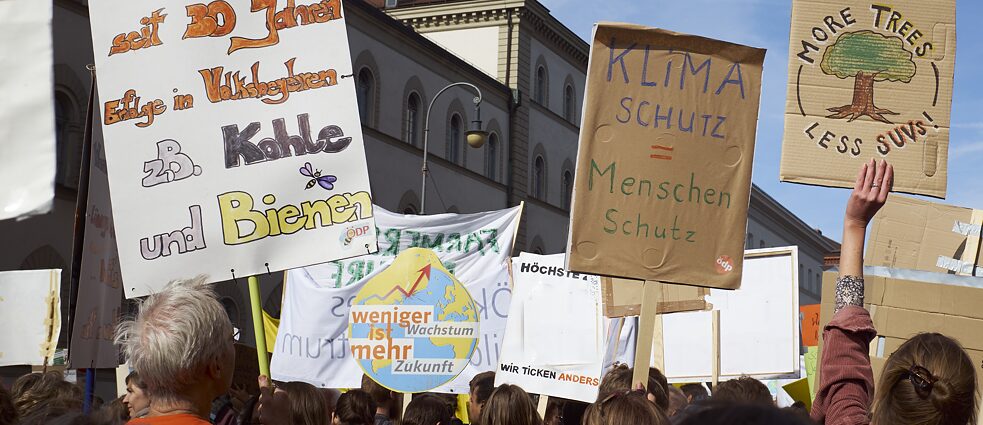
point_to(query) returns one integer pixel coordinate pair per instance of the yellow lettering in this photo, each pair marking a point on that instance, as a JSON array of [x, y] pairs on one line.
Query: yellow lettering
[[287, 226], [238, 206]]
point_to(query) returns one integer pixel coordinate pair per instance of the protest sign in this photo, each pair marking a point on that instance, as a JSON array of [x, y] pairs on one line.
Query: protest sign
[[810, 325], [233, 142], [554, 341], [909, 233], [664, 166], [27, 114], [413, 327], [100, 286], [30, 305], [866, 81], [764, 312], [312, 344], [623, 297]]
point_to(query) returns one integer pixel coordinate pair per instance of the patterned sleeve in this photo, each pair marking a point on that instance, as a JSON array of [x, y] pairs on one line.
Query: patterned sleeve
[[849, 291]]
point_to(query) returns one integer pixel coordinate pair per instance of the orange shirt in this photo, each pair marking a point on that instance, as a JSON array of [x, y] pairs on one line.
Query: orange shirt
[[182, 419]]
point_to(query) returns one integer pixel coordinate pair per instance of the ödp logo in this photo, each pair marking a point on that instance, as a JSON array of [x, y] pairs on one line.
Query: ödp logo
[[354, 232], [724, 264]]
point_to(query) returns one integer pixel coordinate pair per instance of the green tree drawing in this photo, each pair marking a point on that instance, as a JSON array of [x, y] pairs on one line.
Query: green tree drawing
[[867, 57]]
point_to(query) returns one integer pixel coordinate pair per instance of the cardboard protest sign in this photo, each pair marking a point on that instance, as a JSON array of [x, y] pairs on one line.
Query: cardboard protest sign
[[312, 343], [233, 142], [810, 325], [27, 114], [413, 326], [664, 166], [31, 308], [866, 81], [623, 297], [100, 293], [555, 338], [909, 233], [764, 312]]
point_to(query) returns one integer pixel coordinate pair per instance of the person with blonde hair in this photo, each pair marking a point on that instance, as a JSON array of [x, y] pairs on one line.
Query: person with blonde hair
[[929, 380], [181, 343]]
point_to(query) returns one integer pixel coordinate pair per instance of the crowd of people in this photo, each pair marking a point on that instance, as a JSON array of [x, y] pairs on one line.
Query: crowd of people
[[180, 345]]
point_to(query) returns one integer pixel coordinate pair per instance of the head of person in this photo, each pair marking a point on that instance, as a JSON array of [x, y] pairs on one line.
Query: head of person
[[677, 401], [742, 390], [929, 380], [481, 387], [427, 409], [181, 342], [354, 407], [625, 407], [383, 397], [136, 400], [619, 378], [735, 413], [509, 405], [307, 405], [695, 392], [41, 390], [554, 411], [113, 413], [8, 413]]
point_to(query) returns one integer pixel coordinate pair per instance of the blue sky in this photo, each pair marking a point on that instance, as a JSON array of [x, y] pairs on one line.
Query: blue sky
[[765, 23]]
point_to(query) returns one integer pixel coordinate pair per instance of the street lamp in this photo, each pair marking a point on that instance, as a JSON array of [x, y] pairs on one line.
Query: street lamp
[[475, 136]]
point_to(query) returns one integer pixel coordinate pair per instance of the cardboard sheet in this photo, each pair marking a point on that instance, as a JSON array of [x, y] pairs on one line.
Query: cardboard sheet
[[623, 297], [869, 80], [30, 308], [909, 233], [664, 166]]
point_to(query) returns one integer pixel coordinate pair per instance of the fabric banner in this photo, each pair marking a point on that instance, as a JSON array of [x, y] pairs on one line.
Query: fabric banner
[[31, 308], [27, 119], [312, 343], [233, 141], [554, 341]]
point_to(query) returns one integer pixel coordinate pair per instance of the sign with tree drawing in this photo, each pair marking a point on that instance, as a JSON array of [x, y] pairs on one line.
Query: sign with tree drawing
[[869, 80]]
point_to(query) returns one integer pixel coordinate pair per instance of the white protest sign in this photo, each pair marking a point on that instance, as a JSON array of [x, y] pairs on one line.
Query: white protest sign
[[27, 121], [554, 341], [763, 313], [31, 308], [233, 139], [97, 308], [312, 343]]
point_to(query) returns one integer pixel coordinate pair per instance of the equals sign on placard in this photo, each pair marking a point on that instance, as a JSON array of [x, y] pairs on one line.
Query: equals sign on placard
[[666, 155]]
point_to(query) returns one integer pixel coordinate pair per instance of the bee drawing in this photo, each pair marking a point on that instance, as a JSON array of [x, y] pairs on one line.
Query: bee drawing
[[327, 182]]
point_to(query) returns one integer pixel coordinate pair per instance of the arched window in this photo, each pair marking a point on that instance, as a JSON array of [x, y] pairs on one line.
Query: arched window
[[64, 111], [569, 103], [491, 156], [802, 273], [365, 92], [542, 85], [539, 178], [809, 277], [409, 210], [413, 104], [454, 138], [567, 182]]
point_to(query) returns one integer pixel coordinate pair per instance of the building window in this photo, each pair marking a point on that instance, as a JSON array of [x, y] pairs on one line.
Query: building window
[[64, 111], [567, 189], [819, 283], [491, 156], [409, 210], [811, 284], [412, 119], [801, 276], [761, 243], [539, 178], [454, 138], [569, 103], [750, 241], [542, 85], [365, 92]]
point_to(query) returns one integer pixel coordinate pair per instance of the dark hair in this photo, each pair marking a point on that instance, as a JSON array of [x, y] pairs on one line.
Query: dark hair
[[112, 413], [618, 379], [382, 396], [8, 413], [482, 386], [743, 390], [135, 378], [36, 390], [730, 413], [929, 380], [695, 392], [677, 401], [427, 409], [355, 407], [307, 406], [625, 407], [509, 405]]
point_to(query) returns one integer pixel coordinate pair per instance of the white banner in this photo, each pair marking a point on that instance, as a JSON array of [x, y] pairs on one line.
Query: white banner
[[554, 342], [312, 343], [31, 309], [232, 137], [27, 121]]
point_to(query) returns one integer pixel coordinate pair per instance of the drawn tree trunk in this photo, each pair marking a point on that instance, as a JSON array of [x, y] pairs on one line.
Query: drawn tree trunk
[[863, 102]]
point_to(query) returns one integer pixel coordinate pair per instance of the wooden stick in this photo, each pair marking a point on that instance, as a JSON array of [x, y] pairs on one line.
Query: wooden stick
[[541, 407], [715, 367], [658, 346], [261, 355], [646, 333], [407, 398]]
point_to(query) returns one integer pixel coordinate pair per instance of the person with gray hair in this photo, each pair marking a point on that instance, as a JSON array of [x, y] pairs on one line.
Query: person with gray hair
[[181, 343]]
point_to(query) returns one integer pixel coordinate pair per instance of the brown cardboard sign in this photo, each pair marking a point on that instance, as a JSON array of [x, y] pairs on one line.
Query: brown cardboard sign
[[623, 297], [869, 80], [910, 233], [664, 167]]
